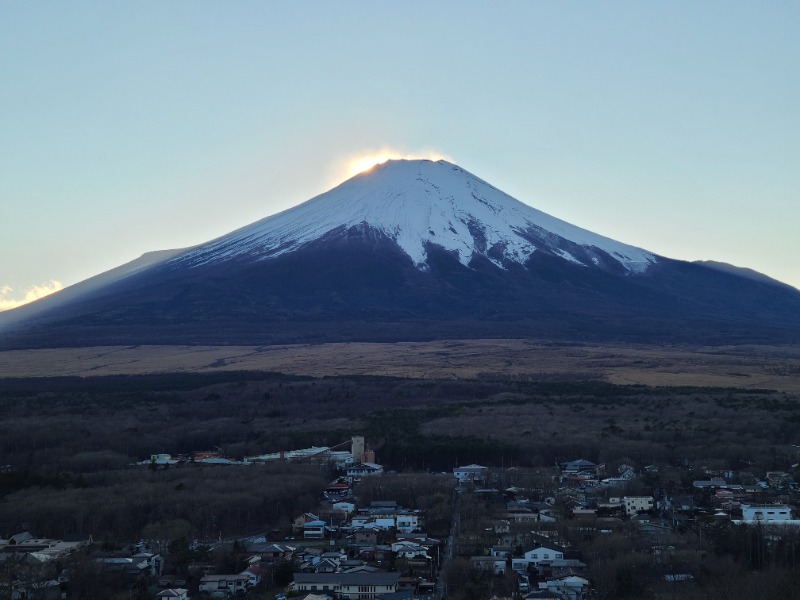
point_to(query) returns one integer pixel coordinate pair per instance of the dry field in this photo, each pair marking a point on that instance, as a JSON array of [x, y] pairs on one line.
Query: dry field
[[770, 367]]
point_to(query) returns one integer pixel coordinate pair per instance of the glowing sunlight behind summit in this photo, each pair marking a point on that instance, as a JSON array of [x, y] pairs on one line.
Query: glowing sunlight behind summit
[[8, 301], [365, 161]]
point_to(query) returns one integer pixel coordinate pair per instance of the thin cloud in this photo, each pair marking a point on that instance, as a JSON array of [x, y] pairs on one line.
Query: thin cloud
[[9, 300]]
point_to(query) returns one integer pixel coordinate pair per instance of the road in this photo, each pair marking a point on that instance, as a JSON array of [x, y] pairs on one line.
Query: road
[[449, 549]]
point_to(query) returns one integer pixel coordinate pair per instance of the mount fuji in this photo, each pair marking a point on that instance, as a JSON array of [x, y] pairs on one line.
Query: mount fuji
[[409, 250]]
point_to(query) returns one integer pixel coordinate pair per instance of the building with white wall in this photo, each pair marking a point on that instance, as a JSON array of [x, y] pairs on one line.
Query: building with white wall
[[470, 473], [766, 512], [536, 557], [347, 586], [636, 504], [408, 522]]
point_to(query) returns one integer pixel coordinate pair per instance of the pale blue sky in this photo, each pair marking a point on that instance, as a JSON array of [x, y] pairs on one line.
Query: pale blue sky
[[134, 126]]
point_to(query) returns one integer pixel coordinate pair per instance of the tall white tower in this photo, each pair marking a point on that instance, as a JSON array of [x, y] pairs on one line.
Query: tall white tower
[[357, 449]]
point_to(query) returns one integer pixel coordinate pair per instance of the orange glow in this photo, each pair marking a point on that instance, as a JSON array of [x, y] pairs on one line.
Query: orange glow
[[364, 162], [7, 301]]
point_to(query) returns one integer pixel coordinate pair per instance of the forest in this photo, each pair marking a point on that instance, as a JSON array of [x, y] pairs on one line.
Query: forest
[[69, 446]]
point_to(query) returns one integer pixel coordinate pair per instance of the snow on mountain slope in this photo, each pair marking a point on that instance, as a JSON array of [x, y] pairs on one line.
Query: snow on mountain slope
[[416, 203]]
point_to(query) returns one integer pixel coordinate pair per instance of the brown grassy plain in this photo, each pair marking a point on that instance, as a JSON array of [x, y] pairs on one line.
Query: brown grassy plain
[[748, 367]]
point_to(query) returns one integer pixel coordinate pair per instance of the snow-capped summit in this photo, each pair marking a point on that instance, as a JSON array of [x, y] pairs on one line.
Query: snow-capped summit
[[417, 203]]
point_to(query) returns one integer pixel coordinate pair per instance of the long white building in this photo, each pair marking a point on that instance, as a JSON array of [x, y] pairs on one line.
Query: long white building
[[766, 512]]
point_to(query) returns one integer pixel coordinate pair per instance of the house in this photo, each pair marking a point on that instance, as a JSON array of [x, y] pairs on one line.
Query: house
[[161, 460], [502, 526], [228, 584], [327, 565], [714, 482], [408, 522], [536, 557], [366, 536], [44, 590], [493, 564], [360, 521], [409, 549], [543, 554], [154, 562], [347, 507], [614, 503], [470, 473], [45, 549], [314, 530], [332, 516], [253, 574], [636, 504], [569, 588], [359, 568], [776, 479], [310, 555], [364, 470], [20, 538], [609, 524], [173, 594], [342, 458], [126, 566], [582, 466], [408, 583], [171, 581], [271, 552], [382, 523], [584, 513], [338, 488], [382, 511], [626, 474], [419, 538], [560, 567], [23, 543], [366, 522], [299, 522], [347, 586]]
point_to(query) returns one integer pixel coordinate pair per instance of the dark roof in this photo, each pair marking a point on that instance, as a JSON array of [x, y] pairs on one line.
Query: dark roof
[[77, 537], [351, 562], [20, 537], [381, 511], [578, 464], [348, 578], [268, 547], [363, 568], [402, 595], [543, 594], [363, 467], [237, 577], [328, 564]]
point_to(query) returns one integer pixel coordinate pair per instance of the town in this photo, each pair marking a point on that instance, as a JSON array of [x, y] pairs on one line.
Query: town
[[576, 530]]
